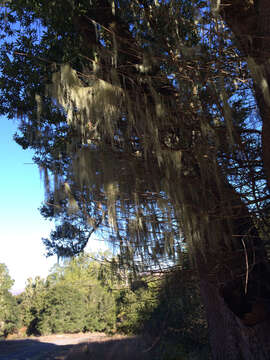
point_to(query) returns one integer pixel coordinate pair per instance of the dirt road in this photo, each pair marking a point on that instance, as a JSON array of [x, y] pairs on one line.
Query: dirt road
[[116, 347], [43, 348]]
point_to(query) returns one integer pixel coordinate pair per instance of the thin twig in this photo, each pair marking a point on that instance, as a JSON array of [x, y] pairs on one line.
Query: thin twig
[[247, 267]]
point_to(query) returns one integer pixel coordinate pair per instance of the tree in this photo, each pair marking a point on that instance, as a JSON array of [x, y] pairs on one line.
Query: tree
[[90, 277], [31, 304], [249, 21], [9, 316], [75, 297], [157, 101], [73, 228]]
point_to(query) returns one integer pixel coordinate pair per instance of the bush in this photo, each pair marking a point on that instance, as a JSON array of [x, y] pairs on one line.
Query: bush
[[74, 298], [178, 320], [170, 313], [63, 311], [135, 309]]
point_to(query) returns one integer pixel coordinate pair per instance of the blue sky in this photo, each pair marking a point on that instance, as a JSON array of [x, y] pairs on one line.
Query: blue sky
[[21, 225]]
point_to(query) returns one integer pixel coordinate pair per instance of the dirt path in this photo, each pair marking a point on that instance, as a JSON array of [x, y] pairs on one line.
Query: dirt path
[[110, 348], [54, 347]]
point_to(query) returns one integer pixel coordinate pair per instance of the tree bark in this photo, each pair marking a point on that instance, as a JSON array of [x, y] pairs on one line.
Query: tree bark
[[230, 338], [235, 334], [233, 269], [236, 294]]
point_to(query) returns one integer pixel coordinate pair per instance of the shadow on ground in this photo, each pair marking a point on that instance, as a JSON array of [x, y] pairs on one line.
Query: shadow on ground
[[132, 348], [28, 349]]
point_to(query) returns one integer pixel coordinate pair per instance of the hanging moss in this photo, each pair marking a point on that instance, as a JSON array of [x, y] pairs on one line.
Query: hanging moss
[[146, 135]]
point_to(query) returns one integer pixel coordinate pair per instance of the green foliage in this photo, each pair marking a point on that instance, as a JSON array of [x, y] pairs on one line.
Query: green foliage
[[101, 315], [5, 280], [31, 302], [83, 294], [178, 321], [135, 308], [169, 313], [63, 311], [9, 312], [75, 297], [9, 315]]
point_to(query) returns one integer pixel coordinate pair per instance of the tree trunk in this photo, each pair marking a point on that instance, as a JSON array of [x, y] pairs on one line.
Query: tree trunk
[[250, 22], [239, 330], [232, 265], [230, 338]]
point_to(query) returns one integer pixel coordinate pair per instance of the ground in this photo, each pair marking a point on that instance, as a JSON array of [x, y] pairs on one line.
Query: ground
[[74, 347]]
